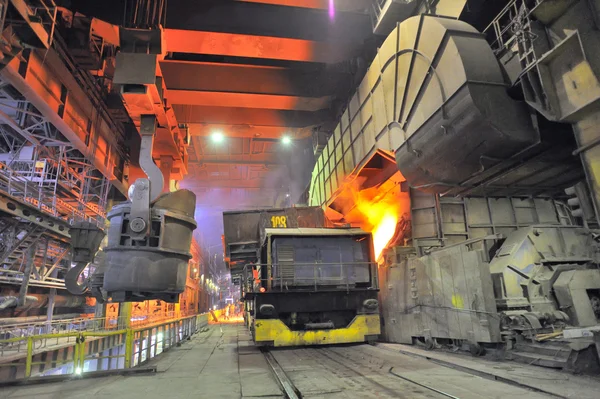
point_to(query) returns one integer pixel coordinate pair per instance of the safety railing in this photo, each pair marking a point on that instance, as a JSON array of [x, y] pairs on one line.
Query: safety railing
[[31, 186], [311, 276], [80, 324], [511, 24], [128, 346]]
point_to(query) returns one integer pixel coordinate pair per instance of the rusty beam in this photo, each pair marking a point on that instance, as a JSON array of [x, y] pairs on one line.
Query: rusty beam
[[246, 100], [248, 131], [340, 6], [248, 116], [255, 79], [250, 46]]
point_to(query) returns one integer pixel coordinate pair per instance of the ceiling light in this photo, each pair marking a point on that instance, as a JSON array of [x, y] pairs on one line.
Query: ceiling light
[[217, 137], [286, 140]]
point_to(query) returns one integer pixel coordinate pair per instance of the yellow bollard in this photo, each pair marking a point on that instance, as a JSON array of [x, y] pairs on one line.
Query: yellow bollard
[[75, 356], [81, 352], [128, 347], [29, 358]]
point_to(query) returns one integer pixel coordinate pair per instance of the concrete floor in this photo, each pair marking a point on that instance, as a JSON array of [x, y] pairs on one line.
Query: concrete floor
[[220, 363], [223, 363]]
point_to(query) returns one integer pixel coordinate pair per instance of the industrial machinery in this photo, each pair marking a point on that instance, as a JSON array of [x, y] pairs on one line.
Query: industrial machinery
[[149, 239], [500, 246], [303, 281], [530, 281]]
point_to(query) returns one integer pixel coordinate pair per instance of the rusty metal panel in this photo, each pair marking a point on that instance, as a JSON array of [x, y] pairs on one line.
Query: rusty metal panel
[[447, 294]]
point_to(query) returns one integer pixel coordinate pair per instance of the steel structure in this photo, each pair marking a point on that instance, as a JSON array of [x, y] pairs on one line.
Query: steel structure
[[52, 172]]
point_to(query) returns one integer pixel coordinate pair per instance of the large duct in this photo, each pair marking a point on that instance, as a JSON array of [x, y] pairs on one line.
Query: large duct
[[435, 96], [451, 113]]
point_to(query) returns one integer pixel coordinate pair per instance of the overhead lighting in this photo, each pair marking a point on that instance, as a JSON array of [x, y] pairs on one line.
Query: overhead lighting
[[286, 140], [217, 137]]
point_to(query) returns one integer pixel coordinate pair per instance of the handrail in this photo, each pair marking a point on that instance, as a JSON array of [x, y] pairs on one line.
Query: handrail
[[344, 280], [34, 192], [141, 343]]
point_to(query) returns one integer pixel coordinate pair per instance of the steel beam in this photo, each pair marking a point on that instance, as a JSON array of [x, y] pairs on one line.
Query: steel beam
[[247, 131], [46, 83], [255, 79], [195, 183], [233, 161], [246, 100], [249, 46], [340, 6], [248, 116], [315, 21], [23, 210]]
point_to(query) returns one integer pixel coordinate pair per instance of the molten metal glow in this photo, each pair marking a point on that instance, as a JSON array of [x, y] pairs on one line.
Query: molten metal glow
[[384, 231], [380, 218]]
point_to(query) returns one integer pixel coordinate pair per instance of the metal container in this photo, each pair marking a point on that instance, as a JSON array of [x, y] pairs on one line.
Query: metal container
[[244, 231], [156, 267]]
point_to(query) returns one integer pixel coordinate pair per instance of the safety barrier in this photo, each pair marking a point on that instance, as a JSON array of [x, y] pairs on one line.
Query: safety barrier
[[95, 349]]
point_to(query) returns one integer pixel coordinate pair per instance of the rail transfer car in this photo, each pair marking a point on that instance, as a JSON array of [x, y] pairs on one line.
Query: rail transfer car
[[303, 281]]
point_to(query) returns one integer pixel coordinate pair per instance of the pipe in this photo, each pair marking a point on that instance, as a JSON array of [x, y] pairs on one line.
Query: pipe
[[13, 301], [35, 301]]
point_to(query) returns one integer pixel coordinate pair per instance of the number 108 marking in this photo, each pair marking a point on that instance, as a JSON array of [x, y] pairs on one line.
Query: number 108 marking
[[279, 221]]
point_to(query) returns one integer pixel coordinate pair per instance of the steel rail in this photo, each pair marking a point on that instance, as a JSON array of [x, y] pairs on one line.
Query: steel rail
[[390, 371], [289, 389], [422, 385]]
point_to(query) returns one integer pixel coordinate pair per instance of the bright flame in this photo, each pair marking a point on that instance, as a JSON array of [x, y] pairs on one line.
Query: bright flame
[[380, 218], [384, 231]]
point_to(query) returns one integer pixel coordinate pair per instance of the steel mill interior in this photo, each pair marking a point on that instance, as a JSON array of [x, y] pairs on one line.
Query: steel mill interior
[[300, 199]]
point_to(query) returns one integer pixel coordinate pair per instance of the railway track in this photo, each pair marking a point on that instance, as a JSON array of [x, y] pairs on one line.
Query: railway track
[[360, 379], [363, 371]]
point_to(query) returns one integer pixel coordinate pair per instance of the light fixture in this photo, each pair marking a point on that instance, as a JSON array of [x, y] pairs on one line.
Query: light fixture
[[78, 370], [217, 136], [286, 140], [195, 270]]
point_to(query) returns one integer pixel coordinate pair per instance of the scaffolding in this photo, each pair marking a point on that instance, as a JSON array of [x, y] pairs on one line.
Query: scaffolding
[[45, 186]]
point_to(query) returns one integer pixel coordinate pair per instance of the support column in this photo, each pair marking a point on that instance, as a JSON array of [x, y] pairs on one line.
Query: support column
[[50, 310], [125, 309], [27, 272]]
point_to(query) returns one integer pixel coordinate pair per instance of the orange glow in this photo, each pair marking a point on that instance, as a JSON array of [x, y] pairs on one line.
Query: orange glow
[[384, 231], [383, 210], [380, 218]]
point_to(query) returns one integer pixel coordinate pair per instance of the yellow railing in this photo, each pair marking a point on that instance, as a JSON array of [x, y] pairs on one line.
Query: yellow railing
[[137, 344]]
